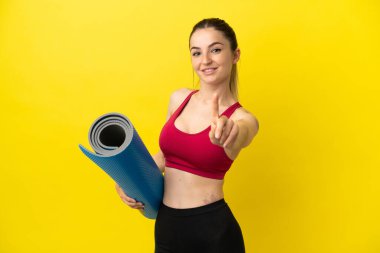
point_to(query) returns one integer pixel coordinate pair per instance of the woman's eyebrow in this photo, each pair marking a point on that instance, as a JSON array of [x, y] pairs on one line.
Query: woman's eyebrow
[[212, 44]]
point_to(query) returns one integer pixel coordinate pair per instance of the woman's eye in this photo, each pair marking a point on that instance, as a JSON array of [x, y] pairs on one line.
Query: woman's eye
[[216, 50], [196, 53]]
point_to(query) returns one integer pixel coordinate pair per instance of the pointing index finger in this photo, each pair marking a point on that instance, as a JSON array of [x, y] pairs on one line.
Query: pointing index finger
[[215, 106]]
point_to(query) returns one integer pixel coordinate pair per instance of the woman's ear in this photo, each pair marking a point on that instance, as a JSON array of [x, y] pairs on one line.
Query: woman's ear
[[236, 55]]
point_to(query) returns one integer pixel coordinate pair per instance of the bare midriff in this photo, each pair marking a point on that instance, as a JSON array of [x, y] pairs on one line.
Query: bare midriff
[[186, 190]]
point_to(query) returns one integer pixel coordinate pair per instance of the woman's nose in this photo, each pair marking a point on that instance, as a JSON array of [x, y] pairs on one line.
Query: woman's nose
[[206, 58]]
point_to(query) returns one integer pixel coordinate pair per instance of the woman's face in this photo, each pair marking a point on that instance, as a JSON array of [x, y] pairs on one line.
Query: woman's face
[[211, 56]]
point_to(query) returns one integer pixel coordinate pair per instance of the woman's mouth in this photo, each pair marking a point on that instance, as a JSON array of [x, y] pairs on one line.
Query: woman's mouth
[[208, 71]]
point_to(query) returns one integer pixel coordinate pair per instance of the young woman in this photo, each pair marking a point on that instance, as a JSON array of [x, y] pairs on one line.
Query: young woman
[[203, 135]]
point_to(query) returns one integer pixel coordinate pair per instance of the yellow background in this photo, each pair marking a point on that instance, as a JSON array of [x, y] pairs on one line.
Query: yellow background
[[309, 182]]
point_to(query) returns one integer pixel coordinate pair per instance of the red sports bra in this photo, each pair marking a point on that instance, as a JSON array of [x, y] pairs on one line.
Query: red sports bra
[[194, 153]]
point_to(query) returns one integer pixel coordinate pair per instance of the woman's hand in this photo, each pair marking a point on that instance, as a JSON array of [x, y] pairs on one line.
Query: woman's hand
[[232, 135], [223, 130], [128, 200]]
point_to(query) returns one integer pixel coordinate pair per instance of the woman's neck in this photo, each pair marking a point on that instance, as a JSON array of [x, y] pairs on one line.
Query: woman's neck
[[207, 91]]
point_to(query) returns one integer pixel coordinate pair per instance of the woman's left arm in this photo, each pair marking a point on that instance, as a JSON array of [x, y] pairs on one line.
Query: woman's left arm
[[248, 126], [234, 133]]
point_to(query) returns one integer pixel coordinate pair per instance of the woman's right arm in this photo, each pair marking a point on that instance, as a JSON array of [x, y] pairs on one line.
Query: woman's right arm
[[159, 158], [175, 100]]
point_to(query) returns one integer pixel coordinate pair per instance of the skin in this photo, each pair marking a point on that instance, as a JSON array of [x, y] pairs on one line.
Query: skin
[[212, 60]]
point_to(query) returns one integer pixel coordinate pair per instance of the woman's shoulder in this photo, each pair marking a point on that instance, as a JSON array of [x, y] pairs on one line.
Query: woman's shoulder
[[177, 97], [180, 94]]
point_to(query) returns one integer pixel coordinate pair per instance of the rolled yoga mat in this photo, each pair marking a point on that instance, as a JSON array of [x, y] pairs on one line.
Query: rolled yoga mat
[[120, 152]]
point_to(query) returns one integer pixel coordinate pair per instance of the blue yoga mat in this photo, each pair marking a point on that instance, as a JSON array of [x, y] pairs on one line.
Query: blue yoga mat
[[120, 152]]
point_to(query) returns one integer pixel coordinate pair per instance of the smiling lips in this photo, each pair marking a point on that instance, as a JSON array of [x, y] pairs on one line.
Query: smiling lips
[[208, 70]]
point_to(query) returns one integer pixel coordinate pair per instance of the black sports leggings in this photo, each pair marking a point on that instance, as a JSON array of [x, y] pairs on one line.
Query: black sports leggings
[[206, 229]]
